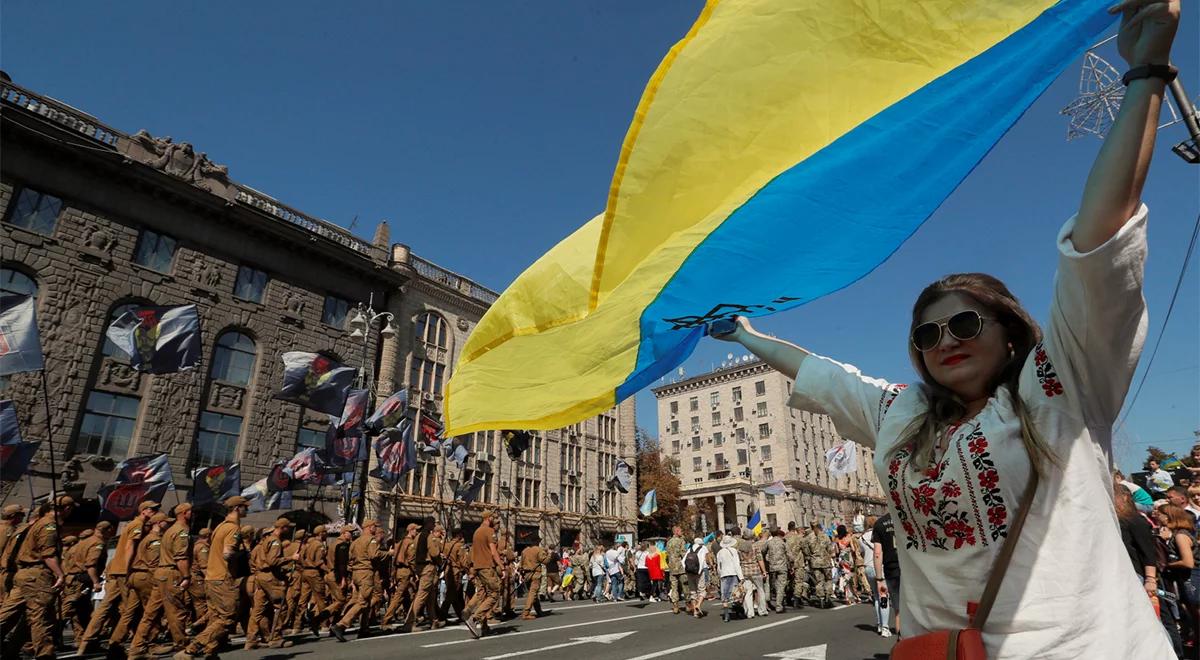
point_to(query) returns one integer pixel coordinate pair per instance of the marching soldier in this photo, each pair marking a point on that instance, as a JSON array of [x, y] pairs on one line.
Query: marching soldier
[[38, 578], [314, 564], [174, 574], [402, 589], [271, 569], [364, 552], [489, 571], [131, 603], [508, 556], [222, 587], [196, 584], [71, 586], [775, 554], [11, 519], [676, 548], [88, 560], [533, 559], [117, 594], [244, 573], [427, 559], [338, 556], [820, 565], [142, 571], [458, 563], [295, 603], [794, 544]]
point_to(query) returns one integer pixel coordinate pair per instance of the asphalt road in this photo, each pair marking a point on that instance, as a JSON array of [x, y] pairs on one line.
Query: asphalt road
[[625, 631]]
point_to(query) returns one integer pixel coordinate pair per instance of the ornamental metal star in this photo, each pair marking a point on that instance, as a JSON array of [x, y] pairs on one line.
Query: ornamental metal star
[[1100, 95]]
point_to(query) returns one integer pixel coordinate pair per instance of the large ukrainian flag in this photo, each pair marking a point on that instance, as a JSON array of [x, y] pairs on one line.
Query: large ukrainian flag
[[782, 150]]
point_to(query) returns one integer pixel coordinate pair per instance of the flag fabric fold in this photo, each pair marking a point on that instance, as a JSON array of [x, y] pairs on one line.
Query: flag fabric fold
[[15, 458], [20, 344], [755, 525], [316, 381], [10, 430], [119, 501], [516, 442], [621, 477], [215, 483], [469, 492], [777, 488], [649, 504], [389, 413], [810, 141], [842, 459], [159, 340], [152, 468], [396, 451]]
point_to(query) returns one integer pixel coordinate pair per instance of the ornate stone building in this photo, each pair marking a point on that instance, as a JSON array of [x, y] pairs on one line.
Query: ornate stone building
[[731, 432], [94, 220]]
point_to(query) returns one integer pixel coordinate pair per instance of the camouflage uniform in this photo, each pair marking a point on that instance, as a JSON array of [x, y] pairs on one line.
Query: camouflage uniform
[[794, 544], [776, 556], [676, 547], [820, 566]]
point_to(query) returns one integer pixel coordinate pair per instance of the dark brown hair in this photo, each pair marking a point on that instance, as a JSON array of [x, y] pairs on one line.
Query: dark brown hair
[[945, 407]]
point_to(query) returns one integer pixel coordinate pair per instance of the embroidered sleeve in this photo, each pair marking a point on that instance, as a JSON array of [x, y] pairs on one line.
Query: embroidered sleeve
[[1097, 323], [856, 404]]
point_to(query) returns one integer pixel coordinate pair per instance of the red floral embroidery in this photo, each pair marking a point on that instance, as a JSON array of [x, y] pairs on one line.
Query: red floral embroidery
[[933, 471], [1046, 375], [997, 515], [894, 466], [988, 479], [908, 528], [923, 498], [951, 489], [931, 533], [978, 445], [960, 531], [885, 402]]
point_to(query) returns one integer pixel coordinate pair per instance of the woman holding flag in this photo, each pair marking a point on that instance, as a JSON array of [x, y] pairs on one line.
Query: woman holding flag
[[997, 461]]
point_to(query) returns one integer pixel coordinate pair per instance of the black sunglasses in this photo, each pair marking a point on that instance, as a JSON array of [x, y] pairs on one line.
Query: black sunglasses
[[962, 326]]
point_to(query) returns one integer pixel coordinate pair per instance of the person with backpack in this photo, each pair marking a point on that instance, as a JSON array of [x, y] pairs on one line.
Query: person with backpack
[[694, 562]]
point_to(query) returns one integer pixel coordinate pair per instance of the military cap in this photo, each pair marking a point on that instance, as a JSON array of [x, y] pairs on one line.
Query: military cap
[[86, 533], [148, 504], [299, 534], [12, 510], [320, 529], [70, 540], [236, 500], [282, 522], [158, 517], [103, 525], [246, 531], [412, 526], [204, 533], [369, 522], [65, 500], [183, 507]]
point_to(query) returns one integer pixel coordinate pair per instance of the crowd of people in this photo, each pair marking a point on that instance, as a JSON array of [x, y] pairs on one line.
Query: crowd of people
[[166, 590], [1159, 528]]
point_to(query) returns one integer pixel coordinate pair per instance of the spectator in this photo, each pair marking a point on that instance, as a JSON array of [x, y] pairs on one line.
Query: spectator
[[641, 572], [887, 573], [615, 559], [729, 570], [1192, 463], [654, 564], [1158, 479], [694, 563], [1141, 499], [752, 571], [1193, 505], [597, 563]]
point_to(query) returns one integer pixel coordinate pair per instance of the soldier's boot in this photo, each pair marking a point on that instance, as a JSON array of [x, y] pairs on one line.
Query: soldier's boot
[[279, 644]]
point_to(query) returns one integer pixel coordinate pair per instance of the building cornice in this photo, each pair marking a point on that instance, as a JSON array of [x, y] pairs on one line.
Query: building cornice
[[725, 375]]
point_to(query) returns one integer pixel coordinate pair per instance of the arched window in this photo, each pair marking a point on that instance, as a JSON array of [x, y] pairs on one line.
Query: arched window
[[433, 330], [233, 359], [16, 282]]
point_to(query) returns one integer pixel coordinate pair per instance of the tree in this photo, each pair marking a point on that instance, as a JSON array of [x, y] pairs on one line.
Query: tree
[[657, 472], [1155, 454]]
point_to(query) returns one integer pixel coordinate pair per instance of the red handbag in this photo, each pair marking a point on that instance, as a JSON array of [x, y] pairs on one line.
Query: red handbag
[[967, 643]]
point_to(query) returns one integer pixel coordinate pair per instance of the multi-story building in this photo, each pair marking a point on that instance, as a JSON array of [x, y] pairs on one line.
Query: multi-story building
[[731, 433], [95, 220]]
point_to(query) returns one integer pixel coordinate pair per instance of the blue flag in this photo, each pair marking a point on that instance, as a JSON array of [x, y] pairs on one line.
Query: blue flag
[[344, 442], [159, 340], [389, 413], [10, 432], [397, 453], [755, 524], [470, 491], [650, 504], [153, 468], [15, 459], [456, 451], [316, 381], [20, 346]]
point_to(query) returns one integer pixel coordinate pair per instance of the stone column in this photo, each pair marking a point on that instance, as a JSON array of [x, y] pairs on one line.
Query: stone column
[[719, 502]]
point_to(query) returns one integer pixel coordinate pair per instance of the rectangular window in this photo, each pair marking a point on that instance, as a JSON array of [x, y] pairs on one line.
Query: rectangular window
[[719, 462], [768, 474], [741, 434], [696, 443], [674, 407], [761, 410], [251, 284], [694, 404], [764, 430], [310, 438], [674, 426], [426, 375], [107, 425], [760, 388], [764, 452], [737, 414], [718, 439], [675, 446], [770, 500], [737, 396], [218, 438], [772, 521], [715, 398], [335, 312], [696, 463], [716, 418], [155, 251], [35, 211], [695, 424], [743, 457]]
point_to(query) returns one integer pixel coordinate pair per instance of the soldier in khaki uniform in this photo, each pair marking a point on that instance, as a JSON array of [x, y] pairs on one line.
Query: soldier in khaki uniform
[[509, 556], [199, 601], [364, 553], [222, 587], [295, 603], [402, 581], [337, 555], [427, 561], [71, 586], [797, 571], [88, 563], [271, 567], [174, 573], [314, 564], [676, 548], [11, 519], [820, 565], [489, 571], [533, 559], [38, 577], [457, 564], [145, 563], [119, 599], [131, 603]]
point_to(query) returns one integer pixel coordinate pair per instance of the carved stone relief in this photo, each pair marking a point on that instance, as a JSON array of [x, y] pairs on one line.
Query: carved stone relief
[[181, 161], [116, 375], [226, 396], [462, 324]]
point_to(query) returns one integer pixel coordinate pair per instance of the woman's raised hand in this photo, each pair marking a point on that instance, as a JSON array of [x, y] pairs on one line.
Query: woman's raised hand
[[1147, 30]]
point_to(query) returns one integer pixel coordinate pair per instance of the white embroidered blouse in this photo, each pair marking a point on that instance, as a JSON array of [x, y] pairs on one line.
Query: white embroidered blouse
[[953, 517]]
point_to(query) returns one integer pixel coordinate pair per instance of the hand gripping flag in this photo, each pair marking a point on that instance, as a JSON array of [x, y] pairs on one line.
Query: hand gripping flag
[[119, 501], [159, 340], [390, 412], [216, 483], [316, 381], [20, 346], [809, 140], [154, 468], [344, 441], [649, 504], [397, 453]]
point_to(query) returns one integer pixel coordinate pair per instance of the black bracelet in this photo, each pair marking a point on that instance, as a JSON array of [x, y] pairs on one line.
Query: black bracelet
[[1166, 72]]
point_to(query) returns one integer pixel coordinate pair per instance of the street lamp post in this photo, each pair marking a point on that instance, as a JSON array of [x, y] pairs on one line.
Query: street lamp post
[[362, 323]]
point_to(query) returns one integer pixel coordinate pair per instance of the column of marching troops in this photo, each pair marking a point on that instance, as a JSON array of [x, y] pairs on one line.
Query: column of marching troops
[[195, 591]]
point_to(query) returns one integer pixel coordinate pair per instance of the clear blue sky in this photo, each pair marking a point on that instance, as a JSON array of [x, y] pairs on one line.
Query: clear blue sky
[[487, 131]]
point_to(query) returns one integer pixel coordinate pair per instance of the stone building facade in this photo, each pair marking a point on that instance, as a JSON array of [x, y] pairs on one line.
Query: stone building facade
[[94, 220], [731, 432]]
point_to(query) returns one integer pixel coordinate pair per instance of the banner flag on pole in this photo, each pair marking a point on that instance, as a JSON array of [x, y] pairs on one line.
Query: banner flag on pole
[[153, 468], [396, 451], [159, 340], [390, 412], [216, 483], [15, 458], [470, 492], [755, 524], [516, 442], [457, 451], [315, 381], [809, 140], [777, 488], [649, 504], [10, 430], [20, 345], [306, 466], [842, 459], [621, 477], [119, 501], [263, 498]]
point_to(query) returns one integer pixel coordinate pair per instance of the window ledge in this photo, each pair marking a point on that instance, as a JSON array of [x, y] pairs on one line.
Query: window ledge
[[28, 236], [158, 277]]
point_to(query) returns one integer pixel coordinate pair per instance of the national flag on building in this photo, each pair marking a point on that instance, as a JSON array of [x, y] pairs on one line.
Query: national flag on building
[[279, 478], [263, 498], [216, 483], [316, 381], [649, 504], [153, 468], [396, 452], [10, 431], [457, 452], [20, 346], [431, 431], [119, 501], [159, 340], [15, 458], [389, 413]]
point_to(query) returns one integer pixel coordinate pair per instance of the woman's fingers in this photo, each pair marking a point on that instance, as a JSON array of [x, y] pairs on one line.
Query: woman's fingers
[[1148, 11], [1126, 6]]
